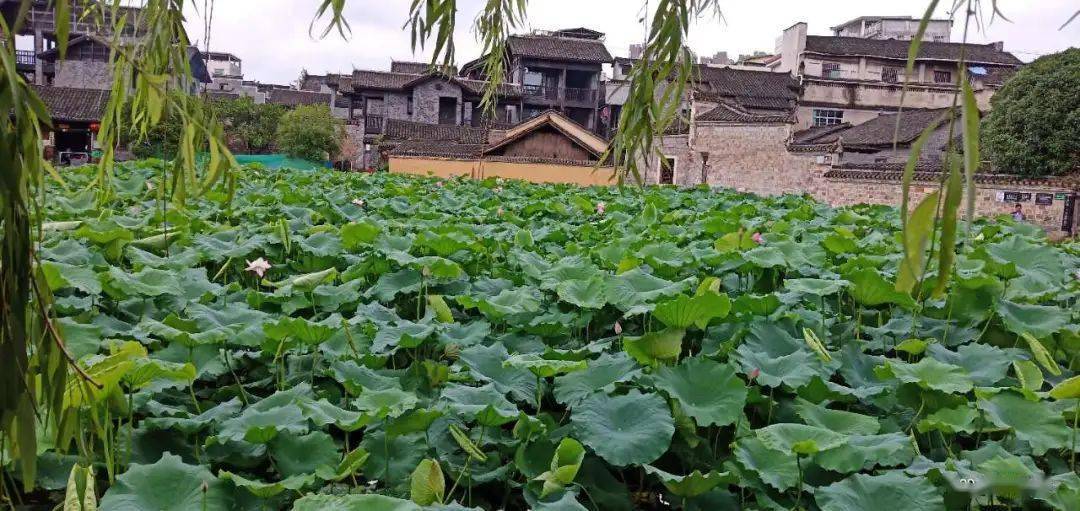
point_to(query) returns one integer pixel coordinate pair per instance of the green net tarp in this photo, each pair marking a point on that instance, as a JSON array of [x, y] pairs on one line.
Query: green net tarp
[[278, 161]]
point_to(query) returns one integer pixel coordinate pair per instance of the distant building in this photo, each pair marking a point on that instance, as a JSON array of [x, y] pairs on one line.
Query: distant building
[[222, 65], [853, 79], [719, 59], [559, 70], [902, 28], [549, 148]]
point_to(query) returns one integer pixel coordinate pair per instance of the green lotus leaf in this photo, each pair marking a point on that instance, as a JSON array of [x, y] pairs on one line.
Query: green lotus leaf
[[928, 373], [405, 334], [390, 402], [266, 490], [390, 285], [864, 452], [600, 375], [486, 404], [260, 424], [167, 485], [544, 367], [719, 402], [840, 421], [1031, 421], [357, 234], [1041, 321], [776, 468], [60, 276], [690, 485], [633, 429], [148, 282], [588, 294], [815, 287], [1067, 389], [779, 358], [147, 371], [887, 492], [437, 267], [656, 347], [1029, 375], [321, 244], [297, 329], [427, 484], [485, 363], [799, 438], [960, 419], [393, 459], [565, 463], [636, 287], [509, 302], [1015, 256], [354, 502], [303, 454], [686, 311], [986, 365]]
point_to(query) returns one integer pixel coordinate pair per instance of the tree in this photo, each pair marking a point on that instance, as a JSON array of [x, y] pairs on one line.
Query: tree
[[1032, 126], [249, 128], [310, 132]]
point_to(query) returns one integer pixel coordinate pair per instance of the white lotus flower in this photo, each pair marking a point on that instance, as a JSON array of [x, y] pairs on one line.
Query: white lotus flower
[[358, 203], [258, 267]]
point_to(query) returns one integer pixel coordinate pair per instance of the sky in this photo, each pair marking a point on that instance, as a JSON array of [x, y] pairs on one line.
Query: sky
[[272, 36]]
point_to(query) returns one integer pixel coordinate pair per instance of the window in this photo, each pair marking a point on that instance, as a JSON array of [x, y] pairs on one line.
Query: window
[[890, 75], [667, 171], [830, 70], [447, 110], [943, 77], [409, 106], [219, 72], [823, 117]]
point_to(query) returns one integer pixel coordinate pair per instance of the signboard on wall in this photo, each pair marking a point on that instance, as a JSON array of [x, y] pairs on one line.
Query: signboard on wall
[[1015, 196], [1044, 199]]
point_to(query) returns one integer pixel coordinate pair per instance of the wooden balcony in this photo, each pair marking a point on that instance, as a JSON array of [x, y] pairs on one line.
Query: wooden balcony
[[25, 58], [561, 95], [373, 124]]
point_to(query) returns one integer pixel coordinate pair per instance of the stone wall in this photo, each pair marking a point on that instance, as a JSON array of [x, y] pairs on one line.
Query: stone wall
[[755, 158], [426, 100], [83, 74]]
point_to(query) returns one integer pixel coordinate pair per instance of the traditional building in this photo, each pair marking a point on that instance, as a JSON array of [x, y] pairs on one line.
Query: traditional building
[[549, 148], [560, 70], [76, 116], [901, 28], [854, 79]]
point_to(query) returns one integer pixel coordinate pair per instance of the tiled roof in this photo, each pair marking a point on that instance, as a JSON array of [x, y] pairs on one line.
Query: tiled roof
[[312, 83], [896, 49], [397, 129], [381, 80], [928, 173], [436, 149], [726, 81], [726, 112], [76, 105], [559, 48], [291, 97], [819, 134], [881, 130], [413, 68]]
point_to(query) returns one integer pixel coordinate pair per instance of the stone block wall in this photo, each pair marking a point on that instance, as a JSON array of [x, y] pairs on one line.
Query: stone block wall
[[83, 74], [426, 100]]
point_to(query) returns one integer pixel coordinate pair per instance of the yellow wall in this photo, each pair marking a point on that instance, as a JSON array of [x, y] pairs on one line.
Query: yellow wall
[[535, 172]]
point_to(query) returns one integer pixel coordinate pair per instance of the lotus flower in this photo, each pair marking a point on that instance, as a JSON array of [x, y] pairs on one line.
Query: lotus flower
[[258, 267], [499, 212], [497, 189], [600, 208], [758, 238], [754, 374], [440, 184], [358, 203], [618, 328]]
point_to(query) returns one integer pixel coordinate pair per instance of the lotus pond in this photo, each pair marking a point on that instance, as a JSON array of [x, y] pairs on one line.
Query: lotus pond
[[327, 341]]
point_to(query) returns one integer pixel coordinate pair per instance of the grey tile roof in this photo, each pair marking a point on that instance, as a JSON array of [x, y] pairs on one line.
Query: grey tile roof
[[819, 134], [312, 83], [570, 49], [896, 49], [414, 68], [726, 112], [398, 129], [76, 105], [380, 80], [292, 97], [880, 131], [726, 81]]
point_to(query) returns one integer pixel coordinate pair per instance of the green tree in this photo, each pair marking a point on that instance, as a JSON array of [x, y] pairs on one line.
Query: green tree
[[1032, 126], [248, 128], [310, 132]]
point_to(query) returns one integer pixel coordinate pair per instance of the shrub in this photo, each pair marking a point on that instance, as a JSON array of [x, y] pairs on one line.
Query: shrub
[[310, 132], [1032, 127]]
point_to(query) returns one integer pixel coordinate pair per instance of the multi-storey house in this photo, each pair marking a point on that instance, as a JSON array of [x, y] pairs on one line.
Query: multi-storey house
[[560, 70], [902, 28], [855, 79]]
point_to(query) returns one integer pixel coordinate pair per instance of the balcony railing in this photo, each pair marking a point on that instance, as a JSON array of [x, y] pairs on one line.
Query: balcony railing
[[25, 58], [373, 124], [571, 94]]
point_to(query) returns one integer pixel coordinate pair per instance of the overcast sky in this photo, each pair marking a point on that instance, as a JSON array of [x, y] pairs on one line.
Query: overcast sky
[[271, 36]]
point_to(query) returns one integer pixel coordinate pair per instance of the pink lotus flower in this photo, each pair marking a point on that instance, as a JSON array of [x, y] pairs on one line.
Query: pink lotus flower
[[754, 374], [600, 208], [758, 238], [440, 184], [258, 267], [358, 203], [618, 328]]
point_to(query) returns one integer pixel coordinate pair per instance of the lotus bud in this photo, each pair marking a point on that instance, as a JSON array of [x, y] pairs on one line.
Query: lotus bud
[[754, 374], [499, 212], [758, 238], [600, 208], [452, 351], [618, 328]]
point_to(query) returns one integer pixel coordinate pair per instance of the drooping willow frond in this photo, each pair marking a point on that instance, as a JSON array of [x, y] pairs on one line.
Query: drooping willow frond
[[493, 27], [658, 84], [438, 17]]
